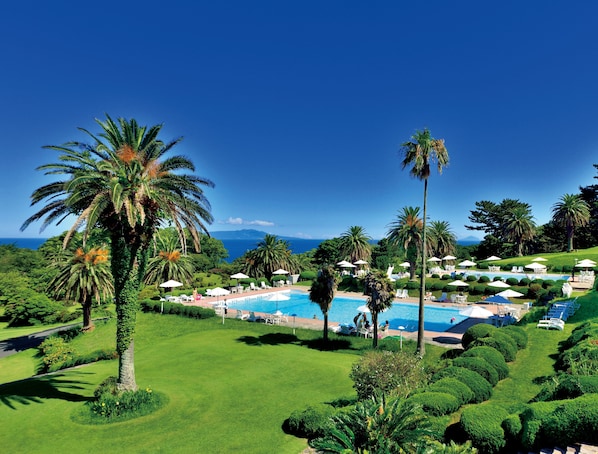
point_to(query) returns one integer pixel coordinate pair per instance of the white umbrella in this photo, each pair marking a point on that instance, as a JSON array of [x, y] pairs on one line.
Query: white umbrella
[[510, 293], [171, 284], [449, 257], [467, 263], [363, 308], [586, 263], [493, 257], [218, 292], [535, 266], [405, 264], [434, 259], [476, 312], [539, 259], [278, 296], [239, 276], [280, 271], [361, 262], [498, 284], [459, 283]]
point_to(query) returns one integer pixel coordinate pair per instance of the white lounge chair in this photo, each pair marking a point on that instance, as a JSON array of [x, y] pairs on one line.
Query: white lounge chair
[[552, 323], [252, 286], [241, 315]]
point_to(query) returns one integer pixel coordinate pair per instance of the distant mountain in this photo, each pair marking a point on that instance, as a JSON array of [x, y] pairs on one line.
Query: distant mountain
[[246, 234], [468, 240]]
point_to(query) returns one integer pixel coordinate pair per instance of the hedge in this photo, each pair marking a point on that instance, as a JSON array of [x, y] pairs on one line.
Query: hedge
[[587, 330], [493, 356], [435, 403], [177, 309], [479, 365], [502, 342], [569, 387], [582, 356], [475, 332], [481, 388], [518, 334], [453, 386], [310, 423], [483, 426]]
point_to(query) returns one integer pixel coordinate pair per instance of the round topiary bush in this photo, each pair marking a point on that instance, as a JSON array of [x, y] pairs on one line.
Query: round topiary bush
[[483, 279], [512, 281], [566, 386], [445, 277], [310, 423], [479, 365], [475, 332], [412, 285], [477, 289], [435, 403], [471, 278], [524, 282], [483, 426], [482, 390], [493, 356], [437, 286], [504, 344], [518, 334], [435, 276], [547, 283], [572, 420], [453, 386]]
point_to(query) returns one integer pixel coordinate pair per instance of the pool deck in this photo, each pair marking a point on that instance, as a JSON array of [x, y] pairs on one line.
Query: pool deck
[[450, 338]]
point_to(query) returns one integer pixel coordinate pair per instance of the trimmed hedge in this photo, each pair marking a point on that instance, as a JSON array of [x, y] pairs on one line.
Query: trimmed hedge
[[475, 332], [570, 387], [493, 356], [177, 309], [581, 357], [481, 388], [483, 426], [479, 365], [435, 403], [452, 386], [587, 330], [518, 334], [502, 342], [310, 423]]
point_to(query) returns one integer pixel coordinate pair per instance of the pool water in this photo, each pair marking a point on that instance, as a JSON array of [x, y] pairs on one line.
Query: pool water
[[343, 310]]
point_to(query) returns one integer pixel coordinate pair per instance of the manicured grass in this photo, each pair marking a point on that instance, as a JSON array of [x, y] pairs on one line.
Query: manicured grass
[[230, 388]]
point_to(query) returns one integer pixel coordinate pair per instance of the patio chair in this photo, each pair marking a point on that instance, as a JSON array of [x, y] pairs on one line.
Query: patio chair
[[254, 318], [241, 315], [252, 286], [553, 323]]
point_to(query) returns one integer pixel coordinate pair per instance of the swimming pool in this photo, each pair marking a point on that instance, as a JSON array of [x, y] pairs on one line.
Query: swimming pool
[[344, 309], [518, 276]]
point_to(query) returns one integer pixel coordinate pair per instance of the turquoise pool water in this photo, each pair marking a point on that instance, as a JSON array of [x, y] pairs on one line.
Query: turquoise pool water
[[344, 309]]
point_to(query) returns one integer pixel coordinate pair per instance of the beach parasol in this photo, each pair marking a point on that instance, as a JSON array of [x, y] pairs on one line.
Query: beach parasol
[[509, 293], [498, 284], [476, 312], [361, 262], [535, 266], [218, 292], [278, 296], [171, 284], [458, 283], [363, 308], [280, 271], [405, 264], [539, 259], [492, 258], [497, 299], [449, 257], [239, 276], [434, 259], [466, 263]]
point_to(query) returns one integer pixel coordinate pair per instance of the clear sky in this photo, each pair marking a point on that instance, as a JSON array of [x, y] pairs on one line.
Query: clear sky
[[296, 109]]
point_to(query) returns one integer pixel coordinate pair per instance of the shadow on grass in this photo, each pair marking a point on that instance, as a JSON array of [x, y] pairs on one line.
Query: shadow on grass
[[34, 390], [283, 338]]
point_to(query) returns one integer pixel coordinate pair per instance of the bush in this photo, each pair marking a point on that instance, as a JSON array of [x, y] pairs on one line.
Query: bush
[[567, 386], [524, 282], [477, 289], [587, 330], [501, 342], [475, 332], [479, 365], [308, 275], [512, 427], [512, 281], [493, 356], [518, 334], [437, 286], [310, 423], [435, 403], [177, 309], [481, 388], [32, 308], [547, 283], [483, 426], [455, 387], [471, 278], [55, 350], [484, 279], [412, 285], [392, 373], [581, 359], [534, 291]]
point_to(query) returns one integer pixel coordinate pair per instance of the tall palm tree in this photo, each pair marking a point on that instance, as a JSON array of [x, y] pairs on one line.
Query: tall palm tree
[[271, 254], [407, 232], [380, 291], [571, 212], [124, 184], [84, 277], [322, 292], [519, 226], [355, 244], [442, 239], [419, 152], [169, 263]]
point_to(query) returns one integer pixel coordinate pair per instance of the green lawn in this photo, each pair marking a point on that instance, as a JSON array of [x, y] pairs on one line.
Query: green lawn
[[230, 388]]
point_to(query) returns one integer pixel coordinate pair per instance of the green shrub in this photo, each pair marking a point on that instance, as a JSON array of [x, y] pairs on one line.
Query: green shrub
[[437, 286], [33, 308], [55, 350], [412, 285], [547, 283], [531, 422], [571, 421], [534, 291], [524, 282], [477, 289], [581, 359], [310, 423], [512, 281], [484, 279], [493, 356], [475, 332], [308, 275], [471, 278], [481, 388], [453, 386], [512, 427], [479, 365], [483, 426], [587, 330], [565, 386], [177, 309], [435, 276], [391, 373], [502, 342], [435, 403], [445, 277], [518, 334]]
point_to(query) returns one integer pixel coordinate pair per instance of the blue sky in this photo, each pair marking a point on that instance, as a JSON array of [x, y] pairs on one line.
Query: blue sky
[[296, 109]]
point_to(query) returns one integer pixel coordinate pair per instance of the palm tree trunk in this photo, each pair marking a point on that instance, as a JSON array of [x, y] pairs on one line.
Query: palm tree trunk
[[421, 345], [126, 369], [87, 323], [325, 334], [375, 330], [569, 238]]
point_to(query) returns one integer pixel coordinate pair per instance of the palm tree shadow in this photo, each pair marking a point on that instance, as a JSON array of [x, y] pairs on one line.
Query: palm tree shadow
[[269, 339], [35, 390], [329, 345]]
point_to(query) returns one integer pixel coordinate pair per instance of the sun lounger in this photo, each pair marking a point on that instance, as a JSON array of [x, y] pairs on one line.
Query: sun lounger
[[552, 323], [254, 318], [241, 315]]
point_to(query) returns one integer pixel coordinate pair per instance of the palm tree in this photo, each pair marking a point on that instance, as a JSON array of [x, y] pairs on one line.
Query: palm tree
[[322, 293], [571, 212], [418, 153], [355, 244], [519, 226], [124, 184], [442, 239], [169, 263], [271, 254], [407, 232], [380, 291], [377, 426], [84, 277]]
